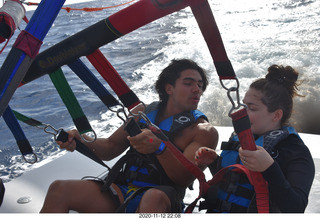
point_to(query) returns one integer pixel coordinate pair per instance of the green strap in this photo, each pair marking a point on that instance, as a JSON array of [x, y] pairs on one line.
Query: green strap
[[26, 119], [70, 101]]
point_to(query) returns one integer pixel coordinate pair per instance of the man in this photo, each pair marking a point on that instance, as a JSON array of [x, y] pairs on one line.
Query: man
[[180, 86]]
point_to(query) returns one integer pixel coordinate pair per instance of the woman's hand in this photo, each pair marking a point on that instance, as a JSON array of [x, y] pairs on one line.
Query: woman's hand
[[258, 160]]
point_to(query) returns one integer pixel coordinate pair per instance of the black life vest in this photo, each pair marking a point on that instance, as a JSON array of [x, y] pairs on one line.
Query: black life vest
[[233, 192]]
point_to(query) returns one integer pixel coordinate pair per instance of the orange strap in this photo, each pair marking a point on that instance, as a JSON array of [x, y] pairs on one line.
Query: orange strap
[[68, 9]]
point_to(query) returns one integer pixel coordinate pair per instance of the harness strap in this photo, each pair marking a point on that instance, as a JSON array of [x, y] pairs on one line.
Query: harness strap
[[62, 136], [18, 62], [23, 143], [2, 191], [69, 99], [107, 71], [84, 73], [195, 170], [80, 147], [26, 119], [242, 127], [211, 34]]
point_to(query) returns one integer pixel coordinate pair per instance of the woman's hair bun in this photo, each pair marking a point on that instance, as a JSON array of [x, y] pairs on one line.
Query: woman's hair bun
[[285, 76]]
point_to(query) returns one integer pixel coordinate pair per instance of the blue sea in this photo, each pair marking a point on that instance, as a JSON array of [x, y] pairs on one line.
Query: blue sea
[[256, 34]]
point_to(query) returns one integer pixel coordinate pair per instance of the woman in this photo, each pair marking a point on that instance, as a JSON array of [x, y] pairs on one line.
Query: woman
[[281, 156]]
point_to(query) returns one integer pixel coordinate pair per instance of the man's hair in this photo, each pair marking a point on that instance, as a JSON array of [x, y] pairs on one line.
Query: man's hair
[[172, 72]]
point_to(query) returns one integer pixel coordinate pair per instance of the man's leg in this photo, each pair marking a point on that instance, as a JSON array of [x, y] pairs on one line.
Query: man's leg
[[78, 195], [154, 201]]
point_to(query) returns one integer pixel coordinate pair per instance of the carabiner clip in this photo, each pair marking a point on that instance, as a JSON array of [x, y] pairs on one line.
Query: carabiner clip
[[55, 132], [155, 129], [145, 118], [235, 104]]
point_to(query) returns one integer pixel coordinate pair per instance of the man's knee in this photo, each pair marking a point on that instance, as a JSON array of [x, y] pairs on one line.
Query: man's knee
[[155, 194], [58, 187], [155, 199]]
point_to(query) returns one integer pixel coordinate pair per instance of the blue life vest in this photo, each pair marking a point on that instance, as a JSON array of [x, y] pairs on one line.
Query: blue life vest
[[235, 193], [269, 140], [144, 169], [173, 124]]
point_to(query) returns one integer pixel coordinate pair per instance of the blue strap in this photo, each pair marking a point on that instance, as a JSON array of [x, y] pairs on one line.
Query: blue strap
[[13, 124], [84, 73], [18, 62], [43, 17]]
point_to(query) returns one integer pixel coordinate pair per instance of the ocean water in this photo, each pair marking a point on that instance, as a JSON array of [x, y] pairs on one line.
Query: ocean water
[[256, 34]]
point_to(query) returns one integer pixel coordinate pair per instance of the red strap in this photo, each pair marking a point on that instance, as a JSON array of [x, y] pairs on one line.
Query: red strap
[[25, 19], [107, 71], [242, 127], [211, 34], [193, 169]]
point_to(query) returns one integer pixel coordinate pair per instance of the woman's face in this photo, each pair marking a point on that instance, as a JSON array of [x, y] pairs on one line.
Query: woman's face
[[261, 119]]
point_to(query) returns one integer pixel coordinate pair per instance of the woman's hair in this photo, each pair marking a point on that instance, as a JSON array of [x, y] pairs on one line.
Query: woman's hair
[[172, 72], [278, 89]]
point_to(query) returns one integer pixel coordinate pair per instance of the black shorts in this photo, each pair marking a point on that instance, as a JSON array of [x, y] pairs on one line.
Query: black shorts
[[176, 197]]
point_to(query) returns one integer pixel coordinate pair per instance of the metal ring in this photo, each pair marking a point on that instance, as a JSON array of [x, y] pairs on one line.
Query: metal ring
[[89, 141], [30, 161]]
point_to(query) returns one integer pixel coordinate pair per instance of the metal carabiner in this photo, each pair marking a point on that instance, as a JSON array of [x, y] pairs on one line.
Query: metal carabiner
[[145, 118], [55, 131], [129, 115], [122, 110], [118, 111], [235, 104]]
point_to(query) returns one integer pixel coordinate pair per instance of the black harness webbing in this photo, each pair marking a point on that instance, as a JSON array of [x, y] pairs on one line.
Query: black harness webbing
[[133, 129], [2, 191], [60, 135], [80, 147]]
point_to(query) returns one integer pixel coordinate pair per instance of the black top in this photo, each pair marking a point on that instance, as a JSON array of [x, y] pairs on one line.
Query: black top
[[290, 177]]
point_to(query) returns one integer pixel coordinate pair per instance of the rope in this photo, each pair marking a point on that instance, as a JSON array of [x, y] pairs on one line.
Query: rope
[[68, 9]]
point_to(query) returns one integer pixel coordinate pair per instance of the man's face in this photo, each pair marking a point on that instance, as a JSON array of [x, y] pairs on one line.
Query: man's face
[[186, 92]]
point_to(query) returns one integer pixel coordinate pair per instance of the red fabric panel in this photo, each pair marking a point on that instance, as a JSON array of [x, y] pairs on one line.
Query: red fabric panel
[[28, 43]]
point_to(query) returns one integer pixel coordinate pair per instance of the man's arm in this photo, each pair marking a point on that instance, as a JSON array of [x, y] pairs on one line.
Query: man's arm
[[104, 148], [202, 134]]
